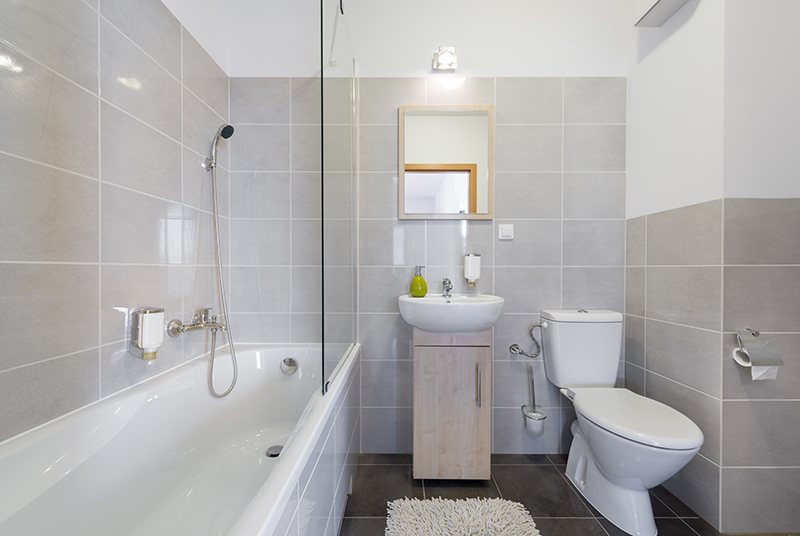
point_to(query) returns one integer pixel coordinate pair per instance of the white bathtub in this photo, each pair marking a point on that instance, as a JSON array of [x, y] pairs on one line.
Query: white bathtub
[[166, 458]]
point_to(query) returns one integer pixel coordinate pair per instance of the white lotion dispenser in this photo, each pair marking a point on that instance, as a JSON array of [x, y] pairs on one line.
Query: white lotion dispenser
[[472, 268], [147, 331]]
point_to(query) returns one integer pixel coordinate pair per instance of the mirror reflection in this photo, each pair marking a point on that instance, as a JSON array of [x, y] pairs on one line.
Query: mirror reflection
[[446, 162]]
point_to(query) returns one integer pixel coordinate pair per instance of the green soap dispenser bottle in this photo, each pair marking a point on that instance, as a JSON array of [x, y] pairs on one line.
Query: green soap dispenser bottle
[[418, 286]]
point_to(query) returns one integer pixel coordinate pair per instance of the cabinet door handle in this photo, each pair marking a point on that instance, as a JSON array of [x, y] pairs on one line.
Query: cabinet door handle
[[479, 384]]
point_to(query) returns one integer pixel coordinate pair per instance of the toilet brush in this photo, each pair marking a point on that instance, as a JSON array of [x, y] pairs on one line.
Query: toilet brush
[[534, 419]]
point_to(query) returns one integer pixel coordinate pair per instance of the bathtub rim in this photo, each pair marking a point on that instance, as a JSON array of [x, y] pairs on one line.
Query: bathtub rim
[[263, 513]]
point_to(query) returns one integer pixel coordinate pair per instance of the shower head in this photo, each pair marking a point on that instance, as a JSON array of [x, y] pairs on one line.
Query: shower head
[[224, 131]]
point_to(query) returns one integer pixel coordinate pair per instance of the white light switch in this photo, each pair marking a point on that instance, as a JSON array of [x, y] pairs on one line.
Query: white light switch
[[506, 231]]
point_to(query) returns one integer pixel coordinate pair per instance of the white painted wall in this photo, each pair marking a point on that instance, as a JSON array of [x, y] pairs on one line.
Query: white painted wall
[[209, 22], [675, 110], [762, 86], [499, 38]]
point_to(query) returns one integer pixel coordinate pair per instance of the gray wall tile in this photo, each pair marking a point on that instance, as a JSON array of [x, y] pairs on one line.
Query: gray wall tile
[[387, 383], [762, 231], [260, 100], [306, 242], [380, 98], [387, 430], [261, 242], [134, 82], [536, 243], [527, 195], [337, 101], [528, 290], [594, 195], [125, 141], [306, 94], [760, 499], [199, 245], [200, 123], [264, 195], [697, 486], [306, 289], [685, 295], [449, 241], [528, 148], [306, 195], [259, 290], [760, 433], [594, 243], [203, 77], [338, 241], [473, 91], [27, 210], [387, 243], [703, 409], [68, 139], [306, 328], [689, 235], [595, 100], [764, 298], [261, 148], [385, 336], [156, 239], [594, 148], [634, 340], [151, 26], [378, 151], [338, 147], [593, 288], [635, 291], [635, 230], [529, 100], [71, 27], [379, 287], [687, 355], [61, 296], [306, 147], [634, 379], [47, 390], [377, 195], [338, 195]]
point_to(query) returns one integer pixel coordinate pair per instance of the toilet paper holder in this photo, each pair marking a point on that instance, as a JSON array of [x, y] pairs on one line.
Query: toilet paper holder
[[754, 353]]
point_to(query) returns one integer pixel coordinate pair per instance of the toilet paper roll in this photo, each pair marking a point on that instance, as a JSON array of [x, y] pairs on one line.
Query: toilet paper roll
[[768, 360]]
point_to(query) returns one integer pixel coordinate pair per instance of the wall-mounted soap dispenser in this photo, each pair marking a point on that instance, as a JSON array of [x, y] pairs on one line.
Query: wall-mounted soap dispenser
[[147, 330], [472, 268]]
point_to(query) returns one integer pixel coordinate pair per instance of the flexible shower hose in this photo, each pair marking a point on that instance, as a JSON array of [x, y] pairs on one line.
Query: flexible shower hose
[[224, 304]]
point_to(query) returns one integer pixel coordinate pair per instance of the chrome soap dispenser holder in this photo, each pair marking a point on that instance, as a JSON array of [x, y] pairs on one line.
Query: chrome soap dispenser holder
[[147, 331]]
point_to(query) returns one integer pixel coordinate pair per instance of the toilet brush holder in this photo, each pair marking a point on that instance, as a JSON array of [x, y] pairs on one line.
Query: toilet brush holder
[[534, 420]]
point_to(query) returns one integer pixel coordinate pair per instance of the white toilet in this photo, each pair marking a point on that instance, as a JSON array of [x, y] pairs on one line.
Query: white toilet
[[624, 443]]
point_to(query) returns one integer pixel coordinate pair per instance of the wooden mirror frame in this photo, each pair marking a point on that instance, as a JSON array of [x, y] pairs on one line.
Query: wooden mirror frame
[[401, 167]]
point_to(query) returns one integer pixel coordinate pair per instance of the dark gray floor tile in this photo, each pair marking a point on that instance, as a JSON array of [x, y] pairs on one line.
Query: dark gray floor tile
[[385, 459], [666, 527], [375, 485], [672, 502], [541, 489], [520, 459], [461, 489], [363, 526], [558, 459], [569, 527], [659, 508]]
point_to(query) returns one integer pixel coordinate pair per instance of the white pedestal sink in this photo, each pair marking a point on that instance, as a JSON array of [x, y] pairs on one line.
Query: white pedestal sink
[[458, 313]]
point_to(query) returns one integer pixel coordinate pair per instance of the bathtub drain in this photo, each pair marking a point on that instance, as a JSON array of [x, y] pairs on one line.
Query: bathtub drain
[[274, 451]]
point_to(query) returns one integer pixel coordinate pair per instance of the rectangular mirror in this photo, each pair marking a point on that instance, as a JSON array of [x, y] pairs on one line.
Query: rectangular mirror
[[446, 162]]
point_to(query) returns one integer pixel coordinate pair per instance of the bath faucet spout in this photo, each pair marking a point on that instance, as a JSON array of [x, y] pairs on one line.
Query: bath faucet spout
[[200, 320]]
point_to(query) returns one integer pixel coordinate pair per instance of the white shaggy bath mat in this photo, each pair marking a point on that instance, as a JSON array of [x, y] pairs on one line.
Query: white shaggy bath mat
[[467, 517]]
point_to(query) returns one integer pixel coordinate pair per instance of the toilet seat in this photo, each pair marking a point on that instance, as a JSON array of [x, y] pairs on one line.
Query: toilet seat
[[637, 418]]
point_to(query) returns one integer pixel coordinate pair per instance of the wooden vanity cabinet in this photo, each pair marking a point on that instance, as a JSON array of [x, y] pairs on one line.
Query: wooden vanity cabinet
[[452, 405]]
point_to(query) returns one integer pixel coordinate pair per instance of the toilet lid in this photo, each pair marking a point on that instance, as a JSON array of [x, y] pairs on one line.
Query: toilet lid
[[637, 418]]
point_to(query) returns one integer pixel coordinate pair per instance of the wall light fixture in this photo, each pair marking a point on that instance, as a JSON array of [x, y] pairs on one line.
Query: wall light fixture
[[445, 59]]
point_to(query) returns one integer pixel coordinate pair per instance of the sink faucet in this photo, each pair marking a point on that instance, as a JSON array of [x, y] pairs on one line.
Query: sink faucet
[[200, 320], [448, 286]]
